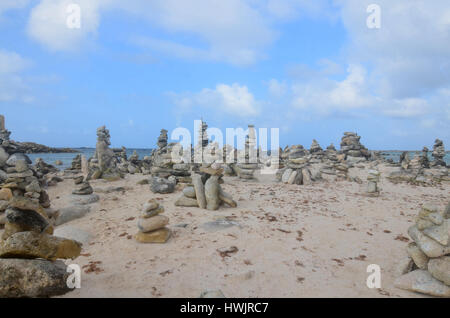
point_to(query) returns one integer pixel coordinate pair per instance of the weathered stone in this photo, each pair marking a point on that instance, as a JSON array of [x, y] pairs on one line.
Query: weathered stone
[[429, 246], [78, 180], [3, 157], [23, 203], [419, 257], [71, 213], [33, 245], [225, 197], [439, 268], [186, 202], [439, 233], [421, 281], [12, 160], [189, 192], [212, 193], [74, 233], [26, 220], [306, 176], [84, 189], [6, 194], [199, 190], [151, 224], [293, 177], [152, 213], [447, 211], [404, 266], [162, 186], [3, 205], [158, 236], [84, 199], [32, 278], [285, 177]]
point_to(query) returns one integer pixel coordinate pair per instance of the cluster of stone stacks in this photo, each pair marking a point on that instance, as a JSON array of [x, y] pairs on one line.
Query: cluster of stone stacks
[[248, 158], [316, 152], [427, 268], [353, 149], [372, 183], [438, 153], [4, 133], [42, 168], [76, 164], [152, 225], [104, 163], [205, 191], [163, 165]]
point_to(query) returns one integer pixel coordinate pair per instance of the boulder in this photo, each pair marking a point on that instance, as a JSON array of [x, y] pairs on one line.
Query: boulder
[[32, 278], [33, 245], [71, 213], [26, 220], [24, 203], [421, 281], [439, 268], [429, 246], [84, 199], [12, 160], [74, 233], [6, 194], [189, 192]]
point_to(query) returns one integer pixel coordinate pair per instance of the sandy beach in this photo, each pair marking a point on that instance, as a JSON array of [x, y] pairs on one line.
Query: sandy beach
[[292, 241]]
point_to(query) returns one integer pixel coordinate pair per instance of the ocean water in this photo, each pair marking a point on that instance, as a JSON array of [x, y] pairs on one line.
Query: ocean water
[[67, 158]]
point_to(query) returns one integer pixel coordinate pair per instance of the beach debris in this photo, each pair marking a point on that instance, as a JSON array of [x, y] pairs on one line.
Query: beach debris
[[152, 224], [430, 271]]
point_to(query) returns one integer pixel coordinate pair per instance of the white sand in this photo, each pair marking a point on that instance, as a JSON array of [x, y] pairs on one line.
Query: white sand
[[342, 232]]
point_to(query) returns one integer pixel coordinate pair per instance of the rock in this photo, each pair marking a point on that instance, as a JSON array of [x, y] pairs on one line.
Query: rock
[[226, 198], [33, 187], [143, 182], [421, 281], [78, 180], [293, 177], [34, 245], [84, 199], [158, 236], [189, 192], [3, 157], [212, 193], [151, 205], [32, 278], [285, 177], [439, 233], [71, 213], [212, 294], [58, 163], [26, 220], [21, 166], [199, 190], [6, 194], [162, 186], [419, 257], [23, 203], [404, 266], [74, 233], [218, 225], [439, 268], [306, 174], [186, 202], [3, 205], [372, 187], [429, 246], [157, 222], [84, 189], [447, 211], [12, 160]]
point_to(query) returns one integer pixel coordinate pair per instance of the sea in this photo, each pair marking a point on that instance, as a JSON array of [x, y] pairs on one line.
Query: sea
[[66, 158]]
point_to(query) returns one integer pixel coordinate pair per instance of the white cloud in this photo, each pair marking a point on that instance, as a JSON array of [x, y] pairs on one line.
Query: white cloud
[[277, 89], [235, 100], [12, 84], [6, 5]]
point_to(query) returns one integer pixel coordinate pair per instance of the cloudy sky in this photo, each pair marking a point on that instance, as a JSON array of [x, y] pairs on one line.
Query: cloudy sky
[[313, 69]]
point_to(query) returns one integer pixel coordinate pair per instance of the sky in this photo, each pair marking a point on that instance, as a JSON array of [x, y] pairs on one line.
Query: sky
[[313, 69]]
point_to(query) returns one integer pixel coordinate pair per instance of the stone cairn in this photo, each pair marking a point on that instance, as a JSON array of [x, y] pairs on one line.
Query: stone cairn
[[205, 191], [166, 173], [27, 247], [372, 183], [427, 268], [296, 166], [353, 149], [152, 225], [104, 163], [438, 153], [248, 158]]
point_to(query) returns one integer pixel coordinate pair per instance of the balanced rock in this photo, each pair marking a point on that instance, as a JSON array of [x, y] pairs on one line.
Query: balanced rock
[[158, 236], [212, 193], [83, 189], [146, 225]]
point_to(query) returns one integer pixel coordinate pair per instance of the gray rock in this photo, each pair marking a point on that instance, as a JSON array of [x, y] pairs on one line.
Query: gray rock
[[421, 281], [21, 166], [212, 193], [27, 220], [306, 176], [226, 198], [186, 202], [71, 213], [286, 174], [152, 224], [3, 157], [419, 257], [32, 278], [439, 233], [218, 225], [74, 233], [439, 268], [189, 192], [3, 176], [3, 205], [84, 189], [429, 246], [12, 160], [447, 211], [199, 190], [84, 199], [162, 186]]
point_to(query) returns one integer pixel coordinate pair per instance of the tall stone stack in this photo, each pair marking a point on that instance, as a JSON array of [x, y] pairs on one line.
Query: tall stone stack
[[248, 158], [353, 149], [4, 133], [297, 167], [76, 164], [438, 153], [152, 225], [104, 163], [317, 153], [372, 183], [427, 268]]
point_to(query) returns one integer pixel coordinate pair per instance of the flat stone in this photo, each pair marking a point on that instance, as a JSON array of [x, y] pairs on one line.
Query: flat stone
[[439, 268], [71, 213], [6, 194], [157, 222], [12, 160], [404, 266], [22, 278], [152, 213], [33, 245], [421, 281], [189, 192], [186, 202], [24, 203], [151, 205], [84, 199], [439, 233], [419, 257], [158, 236], [26, 220], [429, 246], [226, 198], [306, 176], [162, 186], [74, 233], [218, 225]]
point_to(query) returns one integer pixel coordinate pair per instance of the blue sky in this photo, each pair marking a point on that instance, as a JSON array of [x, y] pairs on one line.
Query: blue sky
[[311, 68]]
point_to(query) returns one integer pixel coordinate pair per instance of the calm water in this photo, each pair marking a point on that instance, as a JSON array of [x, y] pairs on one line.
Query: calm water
[[66, 158]]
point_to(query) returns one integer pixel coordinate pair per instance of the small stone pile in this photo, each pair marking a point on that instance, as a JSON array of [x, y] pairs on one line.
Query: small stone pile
[[372, 183], [248, 158], [104, 163], [427, 268], [316, 152], [152, 225], [438, 153], [353, 149], [205, 192]]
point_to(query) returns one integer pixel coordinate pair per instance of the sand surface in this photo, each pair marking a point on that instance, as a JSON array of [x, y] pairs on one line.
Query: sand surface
[[292, 241]]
